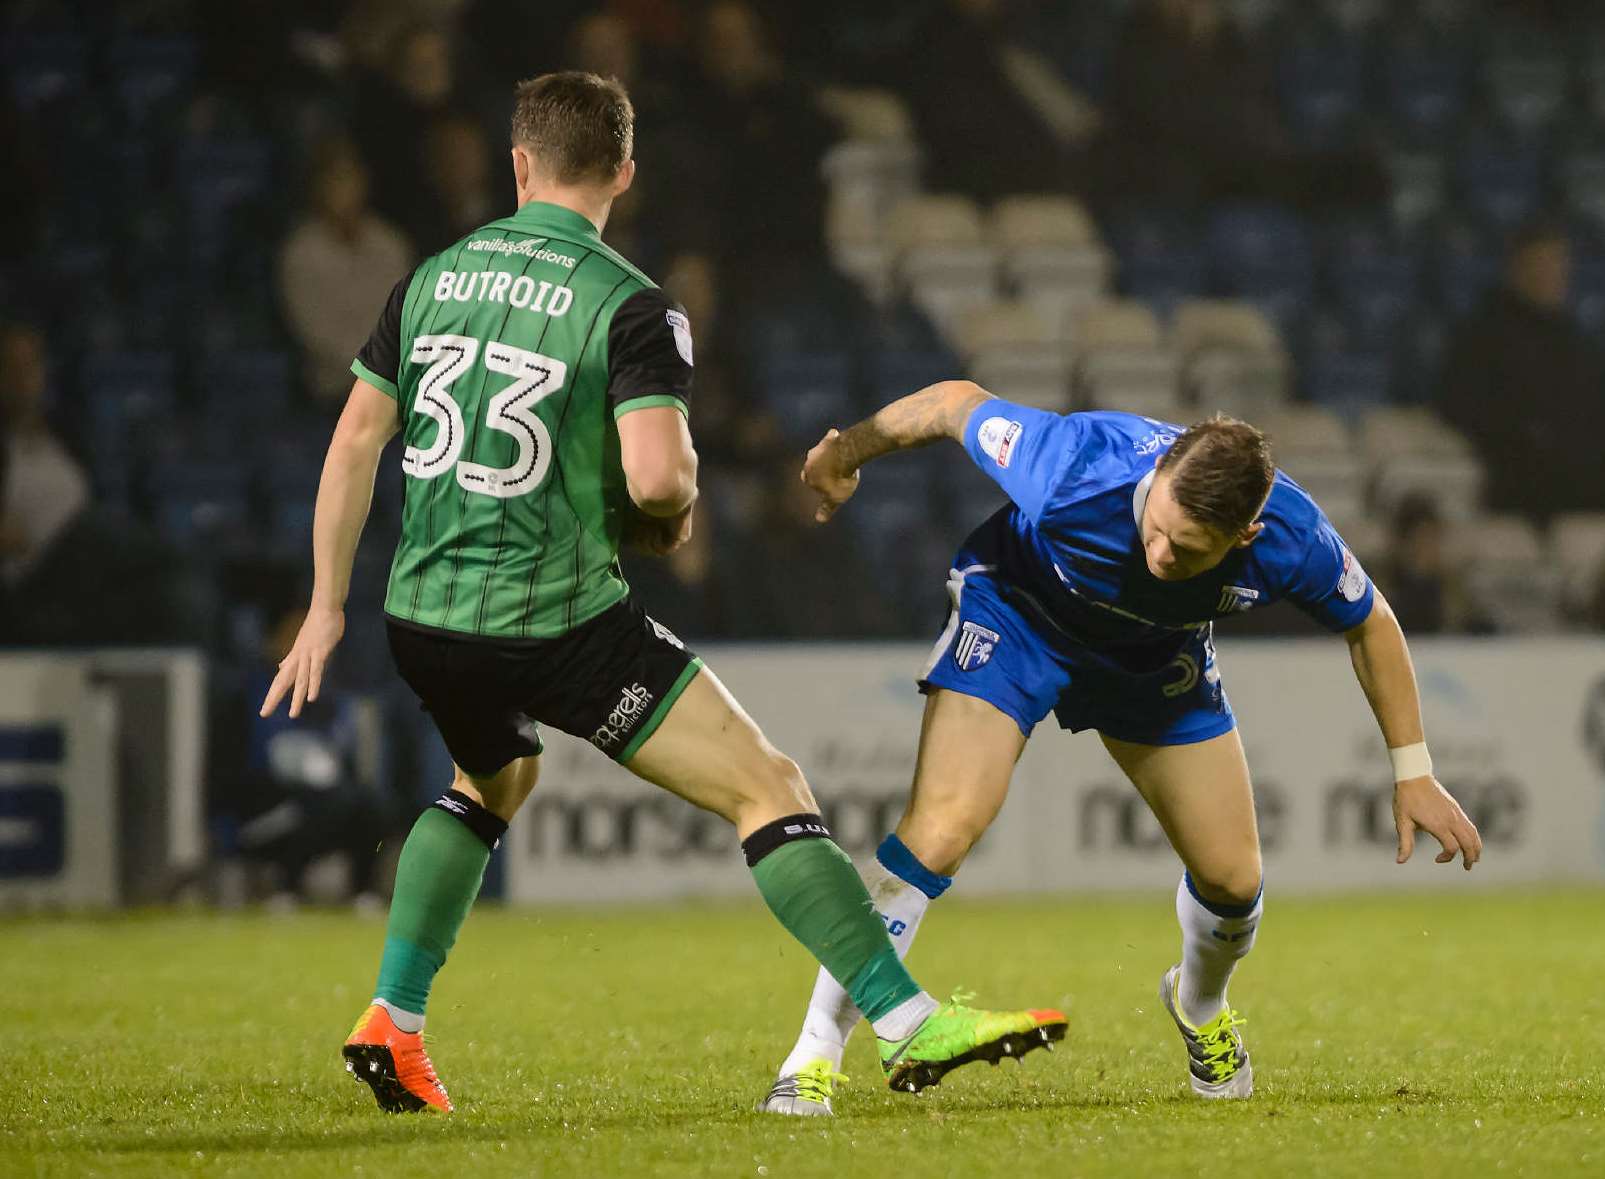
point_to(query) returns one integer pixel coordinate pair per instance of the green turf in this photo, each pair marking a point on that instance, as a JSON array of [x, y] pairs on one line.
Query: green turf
[[1456, 1035]]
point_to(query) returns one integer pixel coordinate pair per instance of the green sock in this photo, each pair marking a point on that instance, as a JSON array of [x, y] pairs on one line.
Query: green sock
[[817, 894], [437, 880]]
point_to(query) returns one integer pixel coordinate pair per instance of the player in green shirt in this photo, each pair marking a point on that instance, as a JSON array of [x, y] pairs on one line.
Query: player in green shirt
[[542, 386]]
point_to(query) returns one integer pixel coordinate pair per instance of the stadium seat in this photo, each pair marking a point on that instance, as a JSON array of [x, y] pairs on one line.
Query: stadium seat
[[1346, 383], [1051, 254], [1223, 323], [1315, 448], [1424, 84], [246, 386], [1322, 81], [1355, 16], [149, 73], [1577, 546], [808, 393], [44, 68], [1122, 362], [1413, 451], [1417, 181], [1160, 260], [1526, 84], [1508, 572], [201, 500], [1465, 263], [943, 257], [1500, 179], [1262, 253], [1418, 359], [867, 116], [1016, 353], [1375, 295], [1117, 323], [1581, 177], [896, 372], [127, 393]]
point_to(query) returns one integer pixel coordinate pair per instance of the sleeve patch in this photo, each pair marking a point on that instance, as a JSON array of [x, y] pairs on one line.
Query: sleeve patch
[[1353, 580], [682, 333], [997, 437]]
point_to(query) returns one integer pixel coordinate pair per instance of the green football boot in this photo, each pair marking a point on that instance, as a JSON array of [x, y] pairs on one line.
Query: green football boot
[[954, 1034]]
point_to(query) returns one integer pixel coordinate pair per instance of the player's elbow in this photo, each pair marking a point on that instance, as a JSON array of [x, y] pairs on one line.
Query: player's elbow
[[663, 485]]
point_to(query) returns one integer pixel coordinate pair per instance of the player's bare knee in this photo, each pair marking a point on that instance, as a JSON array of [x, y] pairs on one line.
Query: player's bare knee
[[940, 842], [778, 780], [1229, 884]]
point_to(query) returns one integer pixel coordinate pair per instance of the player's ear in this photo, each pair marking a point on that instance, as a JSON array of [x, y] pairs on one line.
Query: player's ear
[[1250, 534], [521, 168], [624, 178]]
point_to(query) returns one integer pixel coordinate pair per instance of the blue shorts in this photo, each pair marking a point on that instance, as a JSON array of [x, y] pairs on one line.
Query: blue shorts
[[995, 652]]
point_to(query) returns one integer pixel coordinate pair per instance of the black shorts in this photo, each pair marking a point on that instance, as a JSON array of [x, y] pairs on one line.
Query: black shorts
[[609, 681]]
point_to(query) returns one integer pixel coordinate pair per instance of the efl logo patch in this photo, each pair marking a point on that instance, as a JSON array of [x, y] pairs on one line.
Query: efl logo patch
[[997, 437], [664, 633], [682, 333], [975, 646], [1352, 584]]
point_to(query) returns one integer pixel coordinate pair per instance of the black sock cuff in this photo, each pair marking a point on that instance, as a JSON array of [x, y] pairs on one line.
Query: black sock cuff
[[782, 831], [475, 817]]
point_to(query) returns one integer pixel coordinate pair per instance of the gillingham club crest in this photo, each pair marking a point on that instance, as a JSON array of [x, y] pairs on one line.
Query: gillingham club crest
[[975, 646]]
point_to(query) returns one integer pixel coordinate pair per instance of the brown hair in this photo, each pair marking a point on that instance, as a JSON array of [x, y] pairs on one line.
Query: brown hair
[[580, 126], [1220, 473]]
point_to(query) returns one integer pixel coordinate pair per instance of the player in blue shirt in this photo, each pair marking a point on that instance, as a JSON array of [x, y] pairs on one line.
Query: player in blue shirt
[[1092, 596]]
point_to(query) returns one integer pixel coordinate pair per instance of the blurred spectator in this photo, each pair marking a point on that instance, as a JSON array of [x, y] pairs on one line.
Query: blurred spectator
[[754, 187], [1527, 386], [336, 269], [292, 787], [729, 425], [690, 591], [1193, 118], [42, 487], [397, 107], [995, 117], [459, 187], [1421, 583], [801, 579], [58, 552]]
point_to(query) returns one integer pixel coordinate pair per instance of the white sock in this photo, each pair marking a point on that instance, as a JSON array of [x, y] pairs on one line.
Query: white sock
[[832, 1015], [1211, 945], [901, 1020], [406, 1021]]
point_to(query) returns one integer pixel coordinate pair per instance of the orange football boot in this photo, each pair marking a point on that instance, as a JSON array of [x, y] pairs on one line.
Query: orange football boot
[[394, 1064]]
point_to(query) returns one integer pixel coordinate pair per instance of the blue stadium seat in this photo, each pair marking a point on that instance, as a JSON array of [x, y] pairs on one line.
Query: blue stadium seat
[[808, 393], [1580, 175], [1526, 79], [1418, 359], [201, 500], [127, 394], [150, 73], [1375, 295], [1466, 262], [1499, 179], [1424, 85], [1322, 80], [1588, 286], [248, 385], [1161, 261], [44, 68], [1263, 254], [894, 373], [1348, 383]]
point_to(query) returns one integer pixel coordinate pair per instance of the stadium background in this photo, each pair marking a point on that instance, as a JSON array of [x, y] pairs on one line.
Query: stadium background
[[1375, 229]]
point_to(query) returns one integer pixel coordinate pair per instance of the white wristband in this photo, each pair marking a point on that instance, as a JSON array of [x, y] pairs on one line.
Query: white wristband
[[1411, 761]]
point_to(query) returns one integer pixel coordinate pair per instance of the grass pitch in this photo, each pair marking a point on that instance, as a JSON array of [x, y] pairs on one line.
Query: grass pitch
[[1453, 1035]]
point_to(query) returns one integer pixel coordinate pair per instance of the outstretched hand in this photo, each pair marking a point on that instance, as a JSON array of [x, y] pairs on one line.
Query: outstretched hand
[[826, 471], [1423, 803], [301, 671]]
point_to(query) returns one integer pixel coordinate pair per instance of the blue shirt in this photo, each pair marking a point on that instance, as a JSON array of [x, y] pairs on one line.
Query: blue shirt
[[1070, 549]]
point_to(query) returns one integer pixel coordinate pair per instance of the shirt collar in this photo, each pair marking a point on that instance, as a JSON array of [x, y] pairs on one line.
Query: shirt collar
[[549, 216], [1139, 497]]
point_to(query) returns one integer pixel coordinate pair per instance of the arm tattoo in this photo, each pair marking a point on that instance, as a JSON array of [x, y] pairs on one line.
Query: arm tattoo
[[935, 412]]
